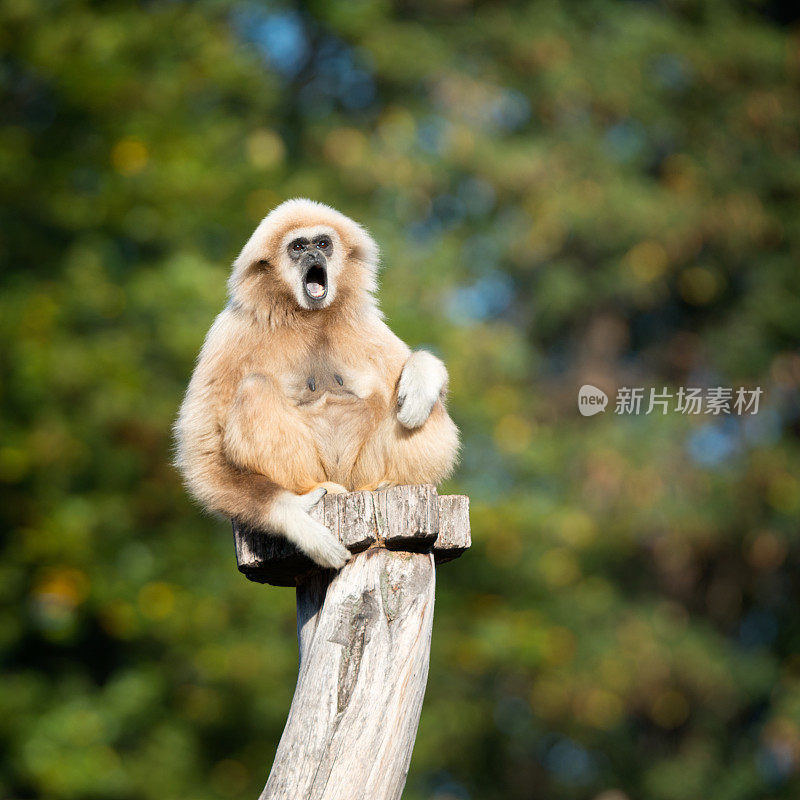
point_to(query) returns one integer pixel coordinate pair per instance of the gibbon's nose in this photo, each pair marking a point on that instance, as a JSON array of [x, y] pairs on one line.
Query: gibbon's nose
[[314, 259]]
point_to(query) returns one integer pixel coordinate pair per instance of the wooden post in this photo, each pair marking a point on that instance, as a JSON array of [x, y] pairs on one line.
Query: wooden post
[[364, 636]]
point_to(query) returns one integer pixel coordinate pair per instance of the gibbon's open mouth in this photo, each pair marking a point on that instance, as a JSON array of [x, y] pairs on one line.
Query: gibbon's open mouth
[[315, 282]]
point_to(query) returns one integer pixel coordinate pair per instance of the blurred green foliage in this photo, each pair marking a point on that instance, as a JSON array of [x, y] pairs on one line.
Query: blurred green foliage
[[565, 192]]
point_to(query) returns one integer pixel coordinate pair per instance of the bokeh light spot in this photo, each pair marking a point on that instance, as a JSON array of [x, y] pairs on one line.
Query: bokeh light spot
[[647, 261], [129, 156], [698, 286], [670, 709], [265, 149], [156, 600]]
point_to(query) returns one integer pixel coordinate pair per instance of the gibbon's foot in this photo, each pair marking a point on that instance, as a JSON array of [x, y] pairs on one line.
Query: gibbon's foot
[[313, 538], [333, 488], [310, 499], [421, 383], [376, 487]]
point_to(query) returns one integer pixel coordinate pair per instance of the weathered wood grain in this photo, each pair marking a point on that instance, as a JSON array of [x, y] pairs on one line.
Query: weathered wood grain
[[364, 653], [399, 518], [364, 635], [454, 535]]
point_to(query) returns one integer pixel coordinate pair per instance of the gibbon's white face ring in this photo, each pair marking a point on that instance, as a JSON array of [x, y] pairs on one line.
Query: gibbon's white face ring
[[310, 263]]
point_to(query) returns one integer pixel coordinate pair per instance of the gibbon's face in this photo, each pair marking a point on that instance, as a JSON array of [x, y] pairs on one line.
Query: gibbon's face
[[310, 262], [304, 255]]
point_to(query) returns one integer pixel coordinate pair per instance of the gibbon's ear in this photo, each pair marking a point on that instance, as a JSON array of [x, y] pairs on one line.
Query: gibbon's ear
[[362, 247], [244, 279]]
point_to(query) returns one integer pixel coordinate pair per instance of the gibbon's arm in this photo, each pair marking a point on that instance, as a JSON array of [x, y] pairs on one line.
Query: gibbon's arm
[[419, 440], [422, 382], [225, 479]]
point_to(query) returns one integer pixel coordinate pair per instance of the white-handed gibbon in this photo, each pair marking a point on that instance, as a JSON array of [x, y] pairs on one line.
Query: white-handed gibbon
[[301, 388]]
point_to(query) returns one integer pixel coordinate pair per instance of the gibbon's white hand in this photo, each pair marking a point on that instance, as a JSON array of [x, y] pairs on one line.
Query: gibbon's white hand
[[310, 536], [422, 382]]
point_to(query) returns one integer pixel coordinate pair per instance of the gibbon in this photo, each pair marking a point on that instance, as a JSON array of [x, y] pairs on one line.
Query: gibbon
[[301, 388]]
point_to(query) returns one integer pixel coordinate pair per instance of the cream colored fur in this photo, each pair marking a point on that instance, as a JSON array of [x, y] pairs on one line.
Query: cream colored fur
[[256, 442]]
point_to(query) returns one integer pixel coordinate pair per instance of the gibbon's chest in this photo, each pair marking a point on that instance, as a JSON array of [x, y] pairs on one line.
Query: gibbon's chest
[[337, 402], [324, 383]]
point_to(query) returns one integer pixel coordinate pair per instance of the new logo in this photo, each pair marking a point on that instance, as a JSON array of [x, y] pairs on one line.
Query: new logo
[[591, 400]]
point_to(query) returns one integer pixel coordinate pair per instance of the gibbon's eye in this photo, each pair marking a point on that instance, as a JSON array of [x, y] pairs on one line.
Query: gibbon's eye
[[297, 246], [323, 244]]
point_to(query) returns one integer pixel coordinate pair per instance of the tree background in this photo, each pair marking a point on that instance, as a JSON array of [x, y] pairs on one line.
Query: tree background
[[565, 192]]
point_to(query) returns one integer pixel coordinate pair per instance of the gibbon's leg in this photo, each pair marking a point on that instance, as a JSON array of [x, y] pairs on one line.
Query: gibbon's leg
[[396, 456], [426, 454], [264, 436], [417, 443]]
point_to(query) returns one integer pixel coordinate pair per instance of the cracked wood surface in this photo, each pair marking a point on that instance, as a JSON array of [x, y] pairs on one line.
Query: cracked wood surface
[[364, 652], [410, 518], [364, 635]]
